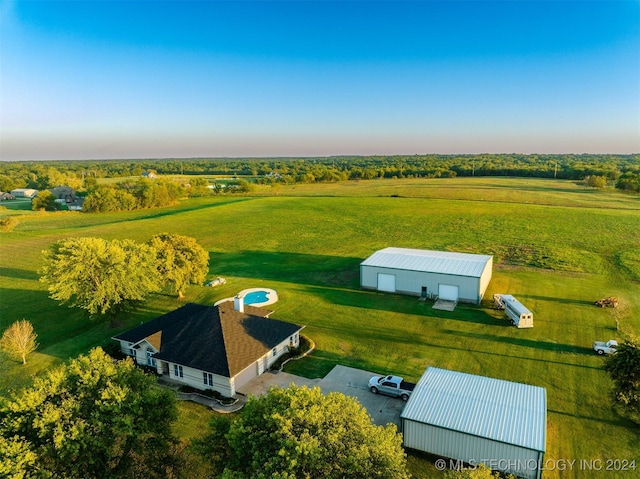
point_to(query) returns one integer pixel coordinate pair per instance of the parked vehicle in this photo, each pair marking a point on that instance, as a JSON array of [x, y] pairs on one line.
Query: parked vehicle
[[609, 347], [519, 315], [216, 282], [391, 386]]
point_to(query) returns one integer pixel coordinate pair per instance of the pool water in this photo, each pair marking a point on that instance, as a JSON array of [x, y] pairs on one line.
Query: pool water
[[255, 297]]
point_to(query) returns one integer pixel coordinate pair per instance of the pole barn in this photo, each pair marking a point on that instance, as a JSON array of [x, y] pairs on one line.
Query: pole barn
[[475, 419], [459, 277]]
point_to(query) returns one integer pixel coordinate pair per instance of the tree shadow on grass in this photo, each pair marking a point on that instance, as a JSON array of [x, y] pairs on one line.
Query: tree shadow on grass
[[562, 300], [15, 273], [621, 421], [404, 304], [529, 343], [64, 331], [310, 269]]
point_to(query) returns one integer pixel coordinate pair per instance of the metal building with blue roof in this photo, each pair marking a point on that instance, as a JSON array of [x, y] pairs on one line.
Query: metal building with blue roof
[[476, 419]]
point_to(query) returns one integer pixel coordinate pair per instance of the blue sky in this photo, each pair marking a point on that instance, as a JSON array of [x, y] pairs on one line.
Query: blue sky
[[157, 79]]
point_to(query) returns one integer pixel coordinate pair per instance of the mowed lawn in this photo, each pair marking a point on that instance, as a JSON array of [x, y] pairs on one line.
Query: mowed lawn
[[557, 247]]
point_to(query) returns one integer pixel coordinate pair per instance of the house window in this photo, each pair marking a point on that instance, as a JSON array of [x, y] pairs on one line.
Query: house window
[[274, 352], [177, 371], [208, 379], [150, 359]]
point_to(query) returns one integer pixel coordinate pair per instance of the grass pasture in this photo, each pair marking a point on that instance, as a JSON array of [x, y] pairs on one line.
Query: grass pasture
[[557, 247]]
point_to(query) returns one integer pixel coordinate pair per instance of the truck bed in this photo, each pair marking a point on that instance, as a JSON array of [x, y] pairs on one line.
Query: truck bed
[[407, 386]]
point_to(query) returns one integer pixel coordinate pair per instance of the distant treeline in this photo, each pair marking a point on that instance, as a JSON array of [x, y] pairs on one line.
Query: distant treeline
[[621, 170]]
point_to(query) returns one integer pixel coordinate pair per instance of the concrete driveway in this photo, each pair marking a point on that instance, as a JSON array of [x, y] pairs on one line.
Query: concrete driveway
[[349, 381]]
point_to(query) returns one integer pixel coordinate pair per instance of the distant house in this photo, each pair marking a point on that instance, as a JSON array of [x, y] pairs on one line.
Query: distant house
[[63, 192], [66, 196], [76, 203], [24, 193], [149, 174], [6, 196], [211, 347]]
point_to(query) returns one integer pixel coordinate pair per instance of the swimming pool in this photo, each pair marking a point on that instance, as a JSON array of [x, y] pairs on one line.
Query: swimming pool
[[256, 297]]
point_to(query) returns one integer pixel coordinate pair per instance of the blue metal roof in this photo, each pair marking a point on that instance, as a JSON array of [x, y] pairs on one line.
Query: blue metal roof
[[504, 411], [445, 262]]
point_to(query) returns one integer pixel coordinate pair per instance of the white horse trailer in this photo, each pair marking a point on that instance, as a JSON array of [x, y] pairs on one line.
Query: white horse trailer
[[520, 316]]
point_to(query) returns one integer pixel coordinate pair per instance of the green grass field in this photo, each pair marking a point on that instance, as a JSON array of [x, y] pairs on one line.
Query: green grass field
[[557, 247]]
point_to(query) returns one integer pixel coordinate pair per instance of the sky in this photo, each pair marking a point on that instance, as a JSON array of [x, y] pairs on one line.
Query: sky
[[162, 79]]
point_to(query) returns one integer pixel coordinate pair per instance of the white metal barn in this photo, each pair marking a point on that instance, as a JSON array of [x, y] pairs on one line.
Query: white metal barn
[[446, 275], [476, 419]]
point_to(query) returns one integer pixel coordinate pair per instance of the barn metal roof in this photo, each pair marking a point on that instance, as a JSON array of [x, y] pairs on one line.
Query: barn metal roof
[[446, 262], [504, 411]]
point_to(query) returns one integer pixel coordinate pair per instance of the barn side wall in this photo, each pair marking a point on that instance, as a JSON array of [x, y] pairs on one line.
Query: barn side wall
[[485, 279], [411, 282], [471, 450]]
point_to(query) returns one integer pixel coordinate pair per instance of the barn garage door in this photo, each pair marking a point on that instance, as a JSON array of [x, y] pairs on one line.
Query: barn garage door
[[387, 282], [448, 292]]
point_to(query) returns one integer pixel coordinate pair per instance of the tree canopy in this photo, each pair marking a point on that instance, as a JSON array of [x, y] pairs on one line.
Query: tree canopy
[[299, 432], [44, 201], [19, 340], [93, 418], [98, 275], [180, 260], [624, 369]]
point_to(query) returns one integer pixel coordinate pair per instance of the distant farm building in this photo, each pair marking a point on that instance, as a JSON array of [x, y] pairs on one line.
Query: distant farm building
[[149, 174], [63, 192], [24, 193], [475, 419], [66, 197], [459, 277], [6, 196]]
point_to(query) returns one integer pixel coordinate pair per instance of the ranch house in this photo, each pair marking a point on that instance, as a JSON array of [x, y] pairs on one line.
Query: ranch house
[[218, 347]]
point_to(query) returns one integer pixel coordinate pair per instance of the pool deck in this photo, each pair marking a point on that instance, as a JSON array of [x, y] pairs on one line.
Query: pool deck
[[272, 297]]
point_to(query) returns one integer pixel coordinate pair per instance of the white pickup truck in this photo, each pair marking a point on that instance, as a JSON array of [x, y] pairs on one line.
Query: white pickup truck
[[609, 347], [391, 386]]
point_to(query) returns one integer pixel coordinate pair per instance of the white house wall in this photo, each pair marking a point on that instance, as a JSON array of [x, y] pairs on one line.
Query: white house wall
[[268, 360], [471, 449], [138, 354], [225, 386], [470, 289], [193, 377]]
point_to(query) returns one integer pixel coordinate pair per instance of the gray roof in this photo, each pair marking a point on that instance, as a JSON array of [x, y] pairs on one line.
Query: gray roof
[[217, 339], [504, 411], [446, 262]]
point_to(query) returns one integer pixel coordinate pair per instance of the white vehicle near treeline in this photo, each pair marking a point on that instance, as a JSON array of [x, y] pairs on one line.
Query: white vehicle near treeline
[[609, 347], [391, 386]]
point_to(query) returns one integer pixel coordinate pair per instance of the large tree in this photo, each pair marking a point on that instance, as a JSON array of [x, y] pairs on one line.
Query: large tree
[[300, 432], [44, 201], [98, 275], [180, 260], [93, 418], [19, 340], [624, 369]]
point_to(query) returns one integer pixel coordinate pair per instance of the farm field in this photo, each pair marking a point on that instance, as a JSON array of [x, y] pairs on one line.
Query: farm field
[[557, 247]]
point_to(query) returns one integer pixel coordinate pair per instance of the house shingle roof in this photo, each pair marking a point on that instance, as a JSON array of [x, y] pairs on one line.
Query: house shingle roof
[[216, 339]]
